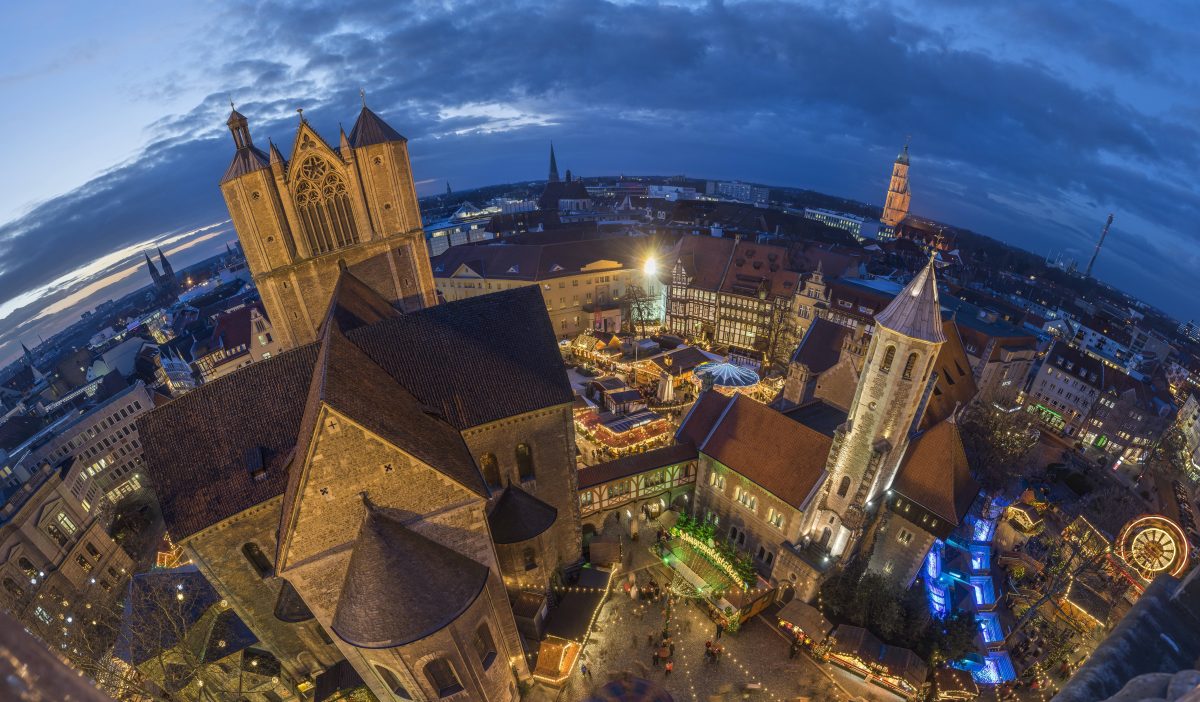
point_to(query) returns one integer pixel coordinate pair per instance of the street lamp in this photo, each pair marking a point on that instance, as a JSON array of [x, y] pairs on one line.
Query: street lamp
[[650, 267]]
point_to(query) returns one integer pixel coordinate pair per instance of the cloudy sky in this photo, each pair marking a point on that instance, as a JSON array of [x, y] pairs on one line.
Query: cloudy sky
[[1030, 120]]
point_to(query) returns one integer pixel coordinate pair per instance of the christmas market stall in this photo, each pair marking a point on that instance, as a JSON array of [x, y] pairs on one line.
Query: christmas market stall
[[804, 622], [953, 684], [715, 573], [892, 667]]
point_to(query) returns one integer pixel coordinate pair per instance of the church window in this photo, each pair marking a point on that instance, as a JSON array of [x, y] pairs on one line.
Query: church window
[[529, 555], [844, 486], [524, 461], [485, 646], [27, 567], [393, 683], [908, 366], [904, 536], [491, 468], [84, 563], [888, 357], [442, 677], [258, 560], [323, 203]]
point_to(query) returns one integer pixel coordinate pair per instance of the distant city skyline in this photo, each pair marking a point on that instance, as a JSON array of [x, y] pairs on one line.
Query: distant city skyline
[[1029, 123]]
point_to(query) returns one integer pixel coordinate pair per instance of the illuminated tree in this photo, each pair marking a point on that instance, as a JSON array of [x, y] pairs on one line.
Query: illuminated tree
[[997, 443]]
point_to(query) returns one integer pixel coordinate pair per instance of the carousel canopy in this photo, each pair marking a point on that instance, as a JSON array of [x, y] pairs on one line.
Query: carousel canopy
[[727, 374]]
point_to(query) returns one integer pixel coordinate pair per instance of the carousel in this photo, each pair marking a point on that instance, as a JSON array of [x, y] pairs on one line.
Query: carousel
[[731, 378]]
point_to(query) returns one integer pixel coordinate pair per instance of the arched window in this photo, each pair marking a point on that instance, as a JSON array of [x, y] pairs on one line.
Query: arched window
[[323, 203], [13, 588], [530, 557], [491, 468], [888, 357], [524, 461], [909, 365], [393, 683], [258, 560], [826, 533], [844, 486], [441, 677], [485, 646], [26, 567]]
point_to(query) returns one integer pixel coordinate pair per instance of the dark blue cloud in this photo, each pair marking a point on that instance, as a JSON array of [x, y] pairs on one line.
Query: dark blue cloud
[[1029, 122]]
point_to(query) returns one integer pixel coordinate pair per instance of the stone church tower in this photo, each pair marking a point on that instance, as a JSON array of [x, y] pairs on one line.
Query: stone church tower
[[887, 405], [299, 221], [895, 208]]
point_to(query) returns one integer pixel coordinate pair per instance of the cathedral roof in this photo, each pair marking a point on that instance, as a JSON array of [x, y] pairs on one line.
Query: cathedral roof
[[916, 312], [518, 516], [935, 473], [370, 129], [246, 160], [473, 361], [355, 304], [955, 385], [400, 586]]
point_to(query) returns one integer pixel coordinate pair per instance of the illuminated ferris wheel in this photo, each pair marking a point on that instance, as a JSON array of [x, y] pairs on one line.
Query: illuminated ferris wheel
[[1152, 544]]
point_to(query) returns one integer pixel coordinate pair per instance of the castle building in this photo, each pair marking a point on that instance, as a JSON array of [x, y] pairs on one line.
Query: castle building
[[299, 221], [895, 207]]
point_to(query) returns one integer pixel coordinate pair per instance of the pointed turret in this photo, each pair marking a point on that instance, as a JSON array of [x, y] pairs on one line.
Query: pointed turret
[[344, 144], [166, 265], [153, 270], [370, 129], [916, 311], [276, 156], [247, 159], [553, 177]]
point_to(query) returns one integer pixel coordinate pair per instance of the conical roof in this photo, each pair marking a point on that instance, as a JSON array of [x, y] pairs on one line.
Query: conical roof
[[916, 312], [370, 129], [400, 586], [519, 516]]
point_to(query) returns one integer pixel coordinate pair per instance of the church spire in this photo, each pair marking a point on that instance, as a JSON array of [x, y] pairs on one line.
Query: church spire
[[240, 128], [916, 311], [153, 270], [553, 165], [168, 272]]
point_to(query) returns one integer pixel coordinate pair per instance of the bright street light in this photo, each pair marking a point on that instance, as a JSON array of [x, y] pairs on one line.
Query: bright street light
[[650, 267]]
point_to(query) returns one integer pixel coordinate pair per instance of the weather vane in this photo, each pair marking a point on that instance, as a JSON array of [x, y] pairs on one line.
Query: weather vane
[[300, 111]]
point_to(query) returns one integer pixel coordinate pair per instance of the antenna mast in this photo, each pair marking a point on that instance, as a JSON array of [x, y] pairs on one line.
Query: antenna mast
[[1088, 272]]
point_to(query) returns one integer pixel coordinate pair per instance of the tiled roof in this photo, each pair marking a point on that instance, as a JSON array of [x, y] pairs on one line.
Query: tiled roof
[[355, 304], [778, 454], [935, 473], [518, 516], [370, 129], [955, 384], [704, 259], [473, 361], [400, 586], [534, 262], [759, 268], [819, 416], [701, 418], [821, 347], [634, 464], [196, 446], [916, 312], [681, 360]]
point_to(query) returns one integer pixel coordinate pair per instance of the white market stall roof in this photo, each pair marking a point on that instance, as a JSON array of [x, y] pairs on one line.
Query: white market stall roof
[[727, 374]]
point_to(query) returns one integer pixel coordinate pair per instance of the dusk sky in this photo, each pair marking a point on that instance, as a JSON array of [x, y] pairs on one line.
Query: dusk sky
[[1030, 120]]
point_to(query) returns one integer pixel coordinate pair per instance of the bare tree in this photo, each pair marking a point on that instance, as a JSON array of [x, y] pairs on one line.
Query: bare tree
[[997, 443], [637, 306]]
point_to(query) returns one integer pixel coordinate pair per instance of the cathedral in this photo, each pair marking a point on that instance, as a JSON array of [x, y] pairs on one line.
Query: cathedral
[[301, 220], [374, 496], [166, 285]]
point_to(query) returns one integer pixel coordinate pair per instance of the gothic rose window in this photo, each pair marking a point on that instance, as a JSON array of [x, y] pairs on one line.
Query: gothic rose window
[[323, 204]]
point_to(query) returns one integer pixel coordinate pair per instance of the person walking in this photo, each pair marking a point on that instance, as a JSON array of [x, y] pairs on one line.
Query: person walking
[[655, 658], [795, 649], [587, 673], [670, 667], [720, 630], [671, 648]]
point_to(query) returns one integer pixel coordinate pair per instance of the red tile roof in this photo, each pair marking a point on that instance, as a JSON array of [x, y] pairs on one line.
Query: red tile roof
[[935, 473], [782, 456]]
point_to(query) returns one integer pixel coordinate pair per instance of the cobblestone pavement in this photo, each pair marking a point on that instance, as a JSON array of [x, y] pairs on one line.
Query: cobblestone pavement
[[757, 654]]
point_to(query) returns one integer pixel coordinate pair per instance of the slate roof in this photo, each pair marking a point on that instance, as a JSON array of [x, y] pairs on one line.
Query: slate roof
[[472, 362], [955, 384], [400, 586], [354, 304], [916, 312], [935, 473], [819, 416], [370, 129], [518, 516], [780, 455], [246, 160], [540, 261], [337, 678], [634, 464], [821, 347]]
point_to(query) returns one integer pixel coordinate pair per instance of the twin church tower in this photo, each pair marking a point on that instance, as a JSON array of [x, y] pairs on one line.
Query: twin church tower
[[299, 221]]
